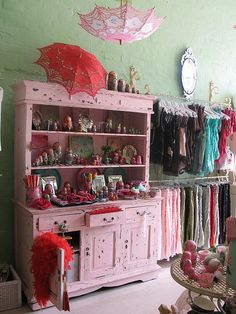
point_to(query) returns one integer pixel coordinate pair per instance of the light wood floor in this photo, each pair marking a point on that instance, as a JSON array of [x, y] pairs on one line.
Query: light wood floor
[[133, 298]]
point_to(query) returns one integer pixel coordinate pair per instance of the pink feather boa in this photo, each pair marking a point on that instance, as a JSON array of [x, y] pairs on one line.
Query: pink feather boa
[[44, 262]]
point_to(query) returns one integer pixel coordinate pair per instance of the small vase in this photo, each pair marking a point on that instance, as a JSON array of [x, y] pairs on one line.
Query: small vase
[[33, 193]]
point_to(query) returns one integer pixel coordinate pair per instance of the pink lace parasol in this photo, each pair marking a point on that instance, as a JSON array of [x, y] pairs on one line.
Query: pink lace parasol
[[122, 24]]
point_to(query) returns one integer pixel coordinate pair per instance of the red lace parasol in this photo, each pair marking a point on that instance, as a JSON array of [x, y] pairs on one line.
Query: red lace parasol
[[74, 68]]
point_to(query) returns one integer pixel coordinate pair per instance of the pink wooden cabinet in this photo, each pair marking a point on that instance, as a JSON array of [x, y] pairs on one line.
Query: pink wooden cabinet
[[109, 249]]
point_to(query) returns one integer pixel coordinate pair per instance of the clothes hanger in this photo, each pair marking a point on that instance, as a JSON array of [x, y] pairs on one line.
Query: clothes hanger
[[220, 107], [208, 111], [177, 108]]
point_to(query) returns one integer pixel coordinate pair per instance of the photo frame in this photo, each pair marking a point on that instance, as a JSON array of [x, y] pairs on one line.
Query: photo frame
[[115, 178], [115, 143], [82, 145], [49, 180], [98, 182]]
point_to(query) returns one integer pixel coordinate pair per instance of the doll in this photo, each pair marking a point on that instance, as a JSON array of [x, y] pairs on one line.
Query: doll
[[67, 124], [51, 157], [57, 152], [45, 158], [69, 157]]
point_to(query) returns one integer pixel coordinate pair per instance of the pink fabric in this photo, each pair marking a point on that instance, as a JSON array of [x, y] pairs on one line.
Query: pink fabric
[[224, 133], [173, 221], [212, 217], [170, 218], [165, 216], [228, 127], [178, 248]]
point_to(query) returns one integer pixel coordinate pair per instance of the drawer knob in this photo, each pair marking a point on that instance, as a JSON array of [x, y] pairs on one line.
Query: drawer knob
[[144, 213], [63, 227], [108, 220]]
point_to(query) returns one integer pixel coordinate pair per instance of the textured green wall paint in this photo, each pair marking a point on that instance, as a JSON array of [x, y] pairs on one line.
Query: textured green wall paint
[[205, 26]]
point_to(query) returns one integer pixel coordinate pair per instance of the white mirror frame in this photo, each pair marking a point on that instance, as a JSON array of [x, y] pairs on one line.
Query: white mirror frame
[[188, 73]]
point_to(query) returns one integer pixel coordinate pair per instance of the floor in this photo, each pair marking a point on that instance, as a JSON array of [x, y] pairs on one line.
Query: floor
[[133, 298]]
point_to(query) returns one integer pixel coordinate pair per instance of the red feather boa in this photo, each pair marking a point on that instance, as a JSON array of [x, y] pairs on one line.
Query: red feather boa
[[44, 262]]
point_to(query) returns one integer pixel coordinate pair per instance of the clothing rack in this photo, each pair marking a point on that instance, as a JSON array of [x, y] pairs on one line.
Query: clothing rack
[[166, 96], [186, 180]]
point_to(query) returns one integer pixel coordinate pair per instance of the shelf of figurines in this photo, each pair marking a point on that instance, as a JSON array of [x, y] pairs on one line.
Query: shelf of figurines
[[88, 133], [84, 125], [81, 154], [41, 192], [89, 166], [50, 159]]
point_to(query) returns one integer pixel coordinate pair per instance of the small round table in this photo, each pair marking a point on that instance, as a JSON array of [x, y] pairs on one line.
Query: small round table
[[219, 290]]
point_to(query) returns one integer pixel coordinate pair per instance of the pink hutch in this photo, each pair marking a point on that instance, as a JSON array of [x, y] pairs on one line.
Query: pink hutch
[[107, 252]]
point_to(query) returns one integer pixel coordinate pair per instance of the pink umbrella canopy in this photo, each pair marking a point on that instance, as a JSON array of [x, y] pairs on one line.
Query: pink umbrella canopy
[[122, 24], [73, 67]]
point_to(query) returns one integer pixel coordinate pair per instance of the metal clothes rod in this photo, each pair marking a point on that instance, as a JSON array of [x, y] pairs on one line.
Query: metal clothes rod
[[190, 179], [192, 101]]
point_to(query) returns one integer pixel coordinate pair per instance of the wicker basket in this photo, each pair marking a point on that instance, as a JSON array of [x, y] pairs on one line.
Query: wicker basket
[[10, 292]]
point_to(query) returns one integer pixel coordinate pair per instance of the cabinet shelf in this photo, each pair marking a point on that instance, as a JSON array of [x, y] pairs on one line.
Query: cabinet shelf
[[88, 133], [88, 166]]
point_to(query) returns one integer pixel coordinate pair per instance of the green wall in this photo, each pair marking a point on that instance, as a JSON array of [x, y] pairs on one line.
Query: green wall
[[205, 26]]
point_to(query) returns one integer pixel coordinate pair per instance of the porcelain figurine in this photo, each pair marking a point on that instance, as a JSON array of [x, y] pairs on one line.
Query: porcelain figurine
[[45, 158], [67, 188], [57, 152], [68, 157], [127, 88], [134, 76], [112, 81], [67, 124], [212, 91], [121, 86], [118, 128], [51, 157]]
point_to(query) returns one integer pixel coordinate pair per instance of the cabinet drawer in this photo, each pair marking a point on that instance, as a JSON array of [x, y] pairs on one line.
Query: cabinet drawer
[[138, 213], [105, 219], [71, 222]]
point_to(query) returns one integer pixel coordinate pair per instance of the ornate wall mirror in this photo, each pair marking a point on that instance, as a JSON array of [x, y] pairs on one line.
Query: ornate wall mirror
[[188, 73]]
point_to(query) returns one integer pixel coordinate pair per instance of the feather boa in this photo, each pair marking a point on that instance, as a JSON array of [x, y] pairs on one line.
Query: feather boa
[[44, 262]]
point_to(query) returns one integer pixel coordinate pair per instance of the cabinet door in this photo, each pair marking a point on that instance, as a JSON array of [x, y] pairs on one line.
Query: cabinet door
[[57, 282], [102, 251], [139, 244]]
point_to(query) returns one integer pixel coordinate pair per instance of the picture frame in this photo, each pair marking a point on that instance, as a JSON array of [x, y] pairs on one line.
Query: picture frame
[[98, 182], [115, 143], [49, 180], [114, 178], [82, 145]]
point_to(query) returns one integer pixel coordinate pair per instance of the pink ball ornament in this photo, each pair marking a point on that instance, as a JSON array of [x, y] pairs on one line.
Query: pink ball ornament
[[203, 254], [187, 264], [194, 258], [212, 265], [185, 255], [190, 246], [205, 280], [191, 273]]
